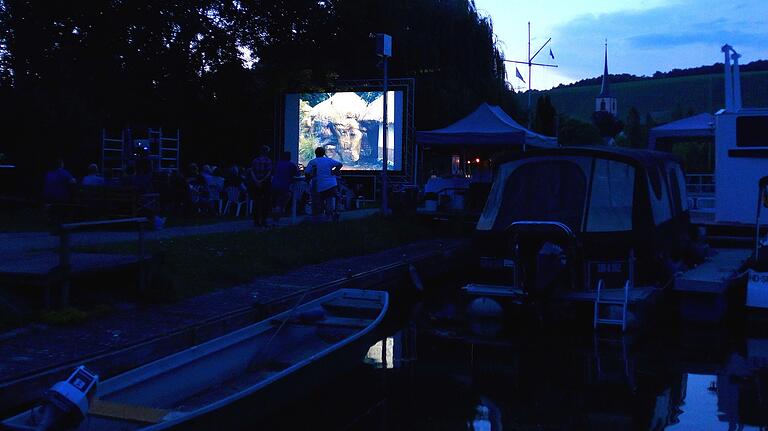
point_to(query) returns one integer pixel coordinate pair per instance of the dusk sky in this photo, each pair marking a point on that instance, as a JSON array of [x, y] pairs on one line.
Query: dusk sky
[[643, 35]]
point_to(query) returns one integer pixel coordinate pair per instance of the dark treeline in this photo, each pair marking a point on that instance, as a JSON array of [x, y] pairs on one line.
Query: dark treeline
[[69, 69], [755, 66]]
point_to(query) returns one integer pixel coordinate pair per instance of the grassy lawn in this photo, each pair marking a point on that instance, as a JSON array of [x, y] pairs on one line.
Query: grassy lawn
[[201, 263]]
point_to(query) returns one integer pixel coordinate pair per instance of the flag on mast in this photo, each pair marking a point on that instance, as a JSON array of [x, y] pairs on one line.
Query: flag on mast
[[517, 73], [550, 54]]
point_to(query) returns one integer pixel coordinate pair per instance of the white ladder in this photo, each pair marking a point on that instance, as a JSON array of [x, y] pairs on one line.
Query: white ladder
[[600, 300]]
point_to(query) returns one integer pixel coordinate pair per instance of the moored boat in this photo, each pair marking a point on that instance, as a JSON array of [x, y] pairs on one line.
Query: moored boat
[[603, 226], [234, 379]]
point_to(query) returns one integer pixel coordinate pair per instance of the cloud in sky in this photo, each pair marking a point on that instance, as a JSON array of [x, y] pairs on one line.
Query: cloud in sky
[[643, 37]]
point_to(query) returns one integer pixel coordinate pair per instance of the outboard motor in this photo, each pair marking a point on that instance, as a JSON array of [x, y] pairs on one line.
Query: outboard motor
[[542, 250], [65, 404], [550, 264]]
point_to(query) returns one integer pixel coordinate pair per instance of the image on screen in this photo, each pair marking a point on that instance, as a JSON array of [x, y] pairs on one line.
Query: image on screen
[[349, 126]]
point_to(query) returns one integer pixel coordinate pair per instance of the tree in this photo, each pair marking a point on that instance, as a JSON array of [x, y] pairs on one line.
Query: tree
[[633, 130], [69, 69], [545, 119], [575, 132], [608, 125]]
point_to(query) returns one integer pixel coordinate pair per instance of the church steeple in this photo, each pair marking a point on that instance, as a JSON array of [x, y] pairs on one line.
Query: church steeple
[[604, 101], [604, 90]]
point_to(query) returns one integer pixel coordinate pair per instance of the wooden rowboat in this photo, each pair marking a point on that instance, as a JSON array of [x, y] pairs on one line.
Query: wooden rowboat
[[233, 380]]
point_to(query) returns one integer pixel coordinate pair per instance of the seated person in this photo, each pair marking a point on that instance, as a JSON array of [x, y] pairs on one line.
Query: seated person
[[58, 181], [93, 178]]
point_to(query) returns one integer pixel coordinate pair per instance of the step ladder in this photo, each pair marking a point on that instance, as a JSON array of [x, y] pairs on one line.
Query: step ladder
[[112, 153], [166, 150], [601, 300]]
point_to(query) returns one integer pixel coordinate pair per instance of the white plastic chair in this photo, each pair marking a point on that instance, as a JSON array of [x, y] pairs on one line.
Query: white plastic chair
[[233, 198], [214, 190]]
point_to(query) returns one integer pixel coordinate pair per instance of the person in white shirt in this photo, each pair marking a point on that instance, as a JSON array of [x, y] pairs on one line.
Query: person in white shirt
[[322, 172], [93, 178]]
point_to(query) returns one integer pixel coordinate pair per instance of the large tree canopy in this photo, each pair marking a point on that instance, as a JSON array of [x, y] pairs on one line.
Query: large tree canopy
[[216, 68]]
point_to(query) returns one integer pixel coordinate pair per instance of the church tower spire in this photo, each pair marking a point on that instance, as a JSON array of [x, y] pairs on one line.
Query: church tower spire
[[604, 101], [604, 90]]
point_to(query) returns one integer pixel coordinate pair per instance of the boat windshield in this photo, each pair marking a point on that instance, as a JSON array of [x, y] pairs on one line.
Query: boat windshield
[[558, 189], [549, 190]]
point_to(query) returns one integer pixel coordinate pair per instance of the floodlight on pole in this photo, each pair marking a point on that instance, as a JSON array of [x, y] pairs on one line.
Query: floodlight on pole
[[384, 50]]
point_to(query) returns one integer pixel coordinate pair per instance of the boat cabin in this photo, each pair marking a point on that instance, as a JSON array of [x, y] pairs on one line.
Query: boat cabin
[[564, 217]]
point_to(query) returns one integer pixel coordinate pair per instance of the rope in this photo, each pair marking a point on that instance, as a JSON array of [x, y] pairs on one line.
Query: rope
[[256, 357]]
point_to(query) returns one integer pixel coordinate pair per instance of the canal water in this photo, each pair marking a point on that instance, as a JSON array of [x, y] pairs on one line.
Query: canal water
[[429, 372]]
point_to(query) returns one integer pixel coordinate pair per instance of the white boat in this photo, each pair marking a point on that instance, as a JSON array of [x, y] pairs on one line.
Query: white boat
[[235, 379]]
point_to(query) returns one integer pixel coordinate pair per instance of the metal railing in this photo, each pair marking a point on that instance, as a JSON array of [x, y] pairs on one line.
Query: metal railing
[[65, 230], [701, 192], [700, 184]]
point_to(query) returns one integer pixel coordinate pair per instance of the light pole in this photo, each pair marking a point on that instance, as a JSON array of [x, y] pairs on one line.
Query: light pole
[[384, 50]]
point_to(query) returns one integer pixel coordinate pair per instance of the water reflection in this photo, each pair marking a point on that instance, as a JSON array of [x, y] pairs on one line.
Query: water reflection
[[589, 383], [429, 376]]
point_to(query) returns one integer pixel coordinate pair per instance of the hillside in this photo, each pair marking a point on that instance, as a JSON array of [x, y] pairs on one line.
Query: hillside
[[659, 97]]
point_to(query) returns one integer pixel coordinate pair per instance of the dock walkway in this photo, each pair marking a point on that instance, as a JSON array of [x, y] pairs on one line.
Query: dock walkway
[[705, 292], [714, 275]]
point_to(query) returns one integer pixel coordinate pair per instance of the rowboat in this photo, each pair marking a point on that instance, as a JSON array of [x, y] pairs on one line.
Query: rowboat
[[235, 379]]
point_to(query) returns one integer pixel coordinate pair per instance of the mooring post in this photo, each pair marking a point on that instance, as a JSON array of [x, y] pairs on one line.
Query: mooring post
[[142, 275], [64, 267]]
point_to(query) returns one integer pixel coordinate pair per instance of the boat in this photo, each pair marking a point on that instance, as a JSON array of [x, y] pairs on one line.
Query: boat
[[235, 379], [756, 266], [600, 225]]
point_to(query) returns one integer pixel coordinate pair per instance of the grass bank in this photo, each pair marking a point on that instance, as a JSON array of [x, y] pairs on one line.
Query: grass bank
[[200, 263]]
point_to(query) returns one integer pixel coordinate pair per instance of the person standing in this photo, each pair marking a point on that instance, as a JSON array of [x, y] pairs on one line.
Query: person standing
[[285, 171], [259, 186], [322, 172]]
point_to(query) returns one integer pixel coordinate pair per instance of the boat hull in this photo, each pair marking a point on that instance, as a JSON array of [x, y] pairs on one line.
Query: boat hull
[[235, 379]]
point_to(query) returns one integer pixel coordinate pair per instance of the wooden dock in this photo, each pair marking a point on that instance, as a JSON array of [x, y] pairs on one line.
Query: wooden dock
[[703, 291]]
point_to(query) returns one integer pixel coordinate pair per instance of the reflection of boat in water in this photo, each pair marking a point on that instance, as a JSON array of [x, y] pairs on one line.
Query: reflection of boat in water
[[233, 379], [561, 225], [556, 383]]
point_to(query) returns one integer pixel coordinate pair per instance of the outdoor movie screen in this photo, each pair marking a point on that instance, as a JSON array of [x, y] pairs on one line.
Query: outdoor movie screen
[[348, 125]]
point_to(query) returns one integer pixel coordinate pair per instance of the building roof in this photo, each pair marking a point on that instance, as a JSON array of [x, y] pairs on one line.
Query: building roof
[[701, 125]]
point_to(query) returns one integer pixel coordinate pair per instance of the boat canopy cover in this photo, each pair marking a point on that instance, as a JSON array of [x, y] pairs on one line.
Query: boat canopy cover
[[701, 125], [590, 189], [486, 125]]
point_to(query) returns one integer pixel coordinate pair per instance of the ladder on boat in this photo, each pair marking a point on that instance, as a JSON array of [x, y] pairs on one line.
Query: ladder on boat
[[611, 301]]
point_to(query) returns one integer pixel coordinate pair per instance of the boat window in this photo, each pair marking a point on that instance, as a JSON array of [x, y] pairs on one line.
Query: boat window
[[751, 131], [546, 191], [677, 187], [611, 198], [659, 197], [655, 179]]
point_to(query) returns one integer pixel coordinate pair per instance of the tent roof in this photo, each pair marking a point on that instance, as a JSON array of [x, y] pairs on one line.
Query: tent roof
[[486, 125], [701, 125]]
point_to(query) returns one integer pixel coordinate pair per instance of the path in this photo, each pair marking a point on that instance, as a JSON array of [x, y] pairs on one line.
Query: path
[[18, 243]]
